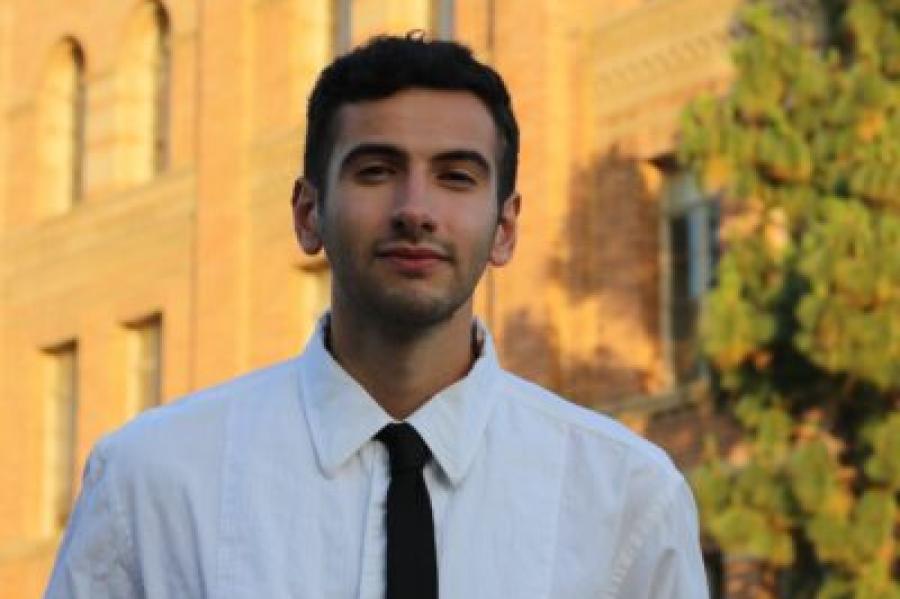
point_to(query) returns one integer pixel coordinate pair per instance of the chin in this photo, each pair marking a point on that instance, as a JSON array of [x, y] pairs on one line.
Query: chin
[[415, 316], [416, 312]]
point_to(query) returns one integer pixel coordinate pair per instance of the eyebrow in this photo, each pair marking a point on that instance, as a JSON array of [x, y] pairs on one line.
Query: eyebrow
[[395, 153]]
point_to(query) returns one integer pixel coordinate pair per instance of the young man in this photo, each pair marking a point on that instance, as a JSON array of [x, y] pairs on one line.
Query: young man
[[394, 457]]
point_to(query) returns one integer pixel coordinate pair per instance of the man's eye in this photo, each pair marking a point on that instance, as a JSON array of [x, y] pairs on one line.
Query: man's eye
[[374, 172], [458, 178]]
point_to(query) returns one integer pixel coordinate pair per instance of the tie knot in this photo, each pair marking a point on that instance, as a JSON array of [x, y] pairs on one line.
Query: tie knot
[[406, 448]]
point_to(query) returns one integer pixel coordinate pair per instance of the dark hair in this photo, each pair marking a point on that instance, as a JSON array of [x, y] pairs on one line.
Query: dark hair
[[389, 64]]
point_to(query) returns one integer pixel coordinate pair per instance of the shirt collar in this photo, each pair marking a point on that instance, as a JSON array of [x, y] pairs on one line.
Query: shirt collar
[[343, 417]]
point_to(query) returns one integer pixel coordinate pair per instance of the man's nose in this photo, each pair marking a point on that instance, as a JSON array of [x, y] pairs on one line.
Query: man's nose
[[413, 214]]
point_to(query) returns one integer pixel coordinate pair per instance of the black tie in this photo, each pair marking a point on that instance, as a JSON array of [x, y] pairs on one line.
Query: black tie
[[411, 559]]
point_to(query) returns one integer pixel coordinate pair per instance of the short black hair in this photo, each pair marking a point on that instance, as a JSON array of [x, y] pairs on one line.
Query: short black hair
[[389, 64]]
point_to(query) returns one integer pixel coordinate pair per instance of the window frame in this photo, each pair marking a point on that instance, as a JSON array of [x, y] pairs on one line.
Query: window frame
[[674, 205]]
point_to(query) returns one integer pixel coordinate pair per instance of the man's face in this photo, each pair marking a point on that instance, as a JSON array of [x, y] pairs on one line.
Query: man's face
[[410, 216]]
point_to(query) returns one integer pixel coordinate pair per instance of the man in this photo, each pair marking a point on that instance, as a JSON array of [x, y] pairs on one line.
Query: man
[[394, 458]]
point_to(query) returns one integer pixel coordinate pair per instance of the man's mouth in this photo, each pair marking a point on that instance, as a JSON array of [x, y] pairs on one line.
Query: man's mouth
[[412, 252], [412, 259]]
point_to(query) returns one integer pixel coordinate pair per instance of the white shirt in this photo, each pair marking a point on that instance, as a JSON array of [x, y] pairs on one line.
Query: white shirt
[[272, 486]]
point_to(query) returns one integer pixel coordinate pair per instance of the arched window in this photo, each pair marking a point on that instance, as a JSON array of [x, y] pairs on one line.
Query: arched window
[[60, 136], [143, 95]]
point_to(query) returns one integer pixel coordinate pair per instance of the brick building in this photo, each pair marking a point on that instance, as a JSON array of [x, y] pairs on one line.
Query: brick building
[[147, 151]]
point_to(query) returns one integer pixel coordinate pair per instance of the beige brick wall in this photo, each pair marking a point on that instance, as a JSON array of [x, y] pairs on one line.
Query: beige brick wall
[[209, 242]]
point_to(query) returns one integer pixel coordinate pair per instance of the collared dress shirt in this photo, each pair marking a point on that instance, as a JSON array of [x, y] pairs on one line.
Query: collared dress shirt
[[271, 486]]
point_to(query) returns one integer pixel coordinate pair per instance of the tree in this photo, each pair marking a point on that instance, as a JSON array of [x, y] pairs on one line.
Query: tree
[[802, 328]]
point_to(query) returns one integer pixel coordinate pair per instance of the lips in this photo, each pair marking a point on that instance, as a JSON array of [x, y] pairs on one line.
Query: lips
[[410, 259], [412, 253]]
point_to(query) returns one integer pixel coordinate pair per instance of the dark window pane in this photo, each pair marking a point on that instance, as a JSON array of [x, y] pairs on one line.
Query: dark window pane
[[692, 226]]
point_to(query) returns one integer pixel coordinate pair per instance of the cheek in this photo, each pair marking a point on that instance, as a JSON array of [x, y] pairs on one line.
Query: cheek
[[351, 218], [478, 228]]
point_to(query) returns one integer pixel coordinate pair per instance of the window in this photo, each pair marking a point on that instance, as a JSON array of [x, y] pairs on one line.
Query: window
[[357, 21], [78, 110], [341, 30], [161, 88], [144, 74], [689, 227], [61, 432], [442, 19], [61, 109], [145, 353]]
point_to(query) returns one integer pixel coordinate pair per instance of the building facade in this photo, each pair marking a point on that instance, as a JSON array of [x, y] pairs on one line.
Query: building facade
[[147, 154]]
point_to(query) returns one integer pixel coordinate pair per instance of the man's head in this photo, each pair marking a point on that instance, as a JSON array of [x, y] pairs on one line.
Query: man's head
[[387, 65], [410, 180]]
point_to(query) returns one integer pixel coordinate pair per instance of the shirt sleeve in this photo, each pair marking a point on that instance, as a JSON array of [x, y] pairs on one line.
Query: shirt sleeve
[[667, 562], [95, 558]]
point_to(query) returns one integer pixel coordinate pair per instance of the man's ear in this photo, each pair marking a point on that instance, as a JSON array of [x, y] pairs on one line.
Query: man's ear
[[304, 201], [507, 230]]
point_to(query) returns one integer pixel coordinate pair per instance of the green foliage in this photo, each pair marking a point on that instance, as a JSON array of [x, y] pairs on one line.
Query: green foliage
[[803, 327], [850, 319], [883, 464]]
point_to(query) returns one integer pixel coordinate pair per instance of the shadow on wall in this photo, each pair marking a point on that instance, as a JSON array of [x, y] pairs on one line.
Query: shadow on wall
[[606, 263]]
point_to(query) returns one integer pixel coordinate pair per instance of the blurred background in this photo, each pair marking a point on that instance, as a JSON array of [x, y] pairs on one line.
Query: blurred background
[[146, 247]]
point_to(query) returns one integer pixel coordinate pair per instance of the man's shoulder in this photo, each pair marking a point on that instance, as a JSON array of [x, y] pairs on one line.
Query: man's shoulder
[[600, 436], [193, 428]]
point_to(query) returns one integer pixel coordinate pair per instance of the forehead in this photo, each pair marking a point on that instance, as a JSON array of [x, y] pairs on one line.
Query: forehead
[[418, 121]]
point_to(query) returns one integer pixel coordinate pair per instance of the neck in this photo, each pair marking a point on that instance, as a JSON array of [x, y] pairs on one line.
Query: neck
[[402, 372]]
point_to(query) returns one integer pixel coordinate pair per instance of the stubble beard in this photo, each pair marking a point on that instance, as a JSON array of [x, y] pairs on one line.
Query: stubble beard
[[404, 310], [401, 309]]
